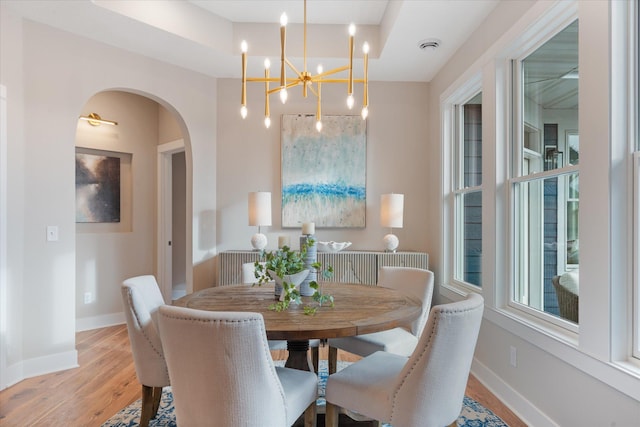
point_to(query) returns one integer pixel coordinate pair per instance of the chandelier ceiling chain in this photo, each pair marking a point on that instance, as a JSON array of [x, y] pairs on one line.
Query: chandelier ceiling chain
[[304, 78]]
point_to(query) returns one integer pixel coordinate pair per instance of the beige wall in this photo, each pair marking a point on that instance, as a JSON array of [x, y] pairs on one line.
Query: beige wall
[[50, 75], [397, 149]]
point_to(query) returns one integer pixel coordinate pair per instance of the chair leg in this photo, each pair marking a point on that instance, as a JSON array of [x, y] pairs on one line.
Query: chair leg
[[454, 424], [147, 405], [331, 415], [315, 358], [311, 416], [157, 395], [333, 360]]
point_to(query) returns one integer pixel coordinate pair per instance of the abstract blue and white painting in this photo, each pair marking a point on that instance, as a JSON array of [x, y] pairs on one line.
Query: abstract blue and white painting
[[324, 173]]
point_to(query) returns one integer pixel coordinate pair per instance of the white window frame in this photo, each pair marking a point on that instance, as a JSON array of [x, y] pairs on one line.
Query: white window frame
[[634, 130], [452, 191], [459, 192], [518, 152], [636, 253]]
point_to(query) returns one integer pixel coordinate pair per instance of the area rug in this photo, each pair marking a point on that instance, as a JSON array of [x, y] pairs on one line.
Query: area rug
[[473, 414]]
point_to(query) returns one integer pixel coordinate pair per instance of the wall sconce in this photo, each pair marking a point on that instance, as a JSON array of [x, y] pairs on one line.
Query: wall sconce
[[391, 214], [259, 215], [94, 119]]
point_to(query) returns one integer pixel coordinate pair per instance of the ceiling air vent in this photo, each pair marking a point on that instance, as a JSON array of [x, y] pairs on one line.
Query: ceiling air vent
[[428, 44]]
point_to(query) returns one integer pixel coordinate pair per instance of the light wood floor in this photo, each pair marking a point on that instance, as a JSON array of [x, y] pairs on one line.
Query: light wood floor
[[106, 382]]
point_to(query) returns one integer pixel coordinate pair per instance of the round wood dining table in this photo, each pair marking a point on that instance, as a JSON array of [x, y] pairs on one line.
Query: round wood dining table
[[358, 309]]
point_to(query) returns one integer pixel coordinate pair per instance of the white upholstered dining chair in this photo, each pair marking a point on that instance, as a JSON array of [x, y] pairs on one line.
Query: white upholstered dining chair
[[222, 373], [249, 277], [416, 282], [141, 298], [424, 390]]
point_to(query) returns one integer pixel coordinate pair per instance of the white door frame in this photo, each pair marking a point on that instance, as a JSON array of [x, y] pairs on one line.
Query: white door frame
[[164, 255]]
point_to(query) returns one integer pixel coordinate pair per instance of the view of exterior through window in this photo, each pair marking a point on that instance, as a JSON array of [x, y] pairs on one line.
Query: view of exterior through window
[[545, 177], [468, 193]]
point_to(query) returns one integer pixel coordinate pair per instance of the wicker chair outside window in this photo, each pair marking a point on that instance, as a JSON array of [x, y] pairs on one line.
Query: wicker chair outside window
[[567, 293]]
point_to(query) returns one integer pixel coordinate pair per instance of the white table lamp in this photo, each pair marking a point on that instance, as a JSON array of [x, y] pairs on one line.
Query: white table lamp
[[391, 213], [259, 215]]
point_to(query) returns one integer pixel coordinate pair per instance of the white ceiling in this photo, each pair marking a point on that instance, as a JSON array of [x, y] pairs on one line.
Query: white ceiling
[[205, 35]]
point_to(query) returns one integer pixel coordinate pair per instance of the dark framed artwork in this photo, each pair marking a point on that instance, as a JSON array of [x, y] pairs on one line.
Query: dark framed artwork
[[97, 187], [324, 173]]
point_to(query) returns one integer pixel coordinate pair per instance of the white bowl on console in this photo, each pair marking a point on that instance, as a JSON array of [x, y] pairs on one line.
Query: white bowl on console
[[332, 246]]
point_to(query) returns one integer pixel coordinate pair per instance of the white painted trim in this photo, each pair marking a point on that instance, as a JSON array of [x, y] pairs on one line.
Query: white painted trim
[[50, 363], [12, 374], [550, 339], [517, 403], [4, 282], [102, 321], [164, 231]]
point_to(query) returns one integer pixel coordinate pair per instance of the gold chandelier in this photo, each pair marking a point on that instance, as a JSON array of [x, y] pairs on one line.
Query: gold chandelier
[[304, 78]]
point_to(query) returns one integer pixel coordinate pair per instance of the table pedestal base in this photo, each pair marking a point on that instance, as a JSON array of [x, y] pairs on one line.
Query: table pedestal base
[[299, 356]]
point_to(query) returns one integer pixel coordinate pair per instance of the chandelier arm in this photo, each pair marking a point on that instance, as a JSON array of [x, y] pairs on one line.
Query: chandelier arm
[[262, 79], [330, 72], [279, 88], [313, 91], [339, 80], [293, 68]]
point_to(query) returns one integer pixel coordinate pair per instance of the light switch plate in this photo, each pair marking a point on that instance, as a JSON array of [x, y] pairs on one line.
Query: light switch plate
[[52, 233]]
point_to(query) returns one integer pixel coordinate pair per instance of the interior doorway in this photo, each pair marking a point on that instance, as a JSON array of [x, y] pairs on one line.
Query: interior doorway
[[172, 220]]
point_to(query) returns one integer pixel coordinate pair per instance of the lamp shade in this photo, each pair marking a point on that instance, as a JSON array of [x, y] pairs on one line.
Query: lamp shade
[[260, 208], [391, 210]]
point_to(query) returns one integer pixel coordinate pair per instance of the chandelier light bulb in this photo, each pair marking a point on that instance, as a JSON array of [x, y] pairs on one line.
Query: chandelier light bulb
[[283, 19], [319, 68], [243, 46], [319, 126], [350, 101], [243, 111], [283, 95], [365, 113], [267, 122], [365, 47], [352, 29], [267, 63]]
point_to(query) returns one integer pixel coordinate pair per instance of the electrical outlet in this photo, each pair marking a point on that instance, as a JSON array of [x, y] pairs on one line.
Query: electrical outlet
[[87, 297], [513, 357]]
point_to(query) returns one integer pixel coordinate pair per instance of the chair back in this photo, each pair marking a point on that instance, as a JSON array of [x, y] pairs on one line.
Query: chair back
[[141, 298], [415, 282], [438, 370], [221, 369]]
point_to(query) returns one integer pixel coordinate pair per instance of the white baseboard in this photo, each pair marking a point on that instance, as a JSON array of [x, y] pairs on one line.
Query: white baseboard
[[95, 322], [524, 409], [39, 366], [11, 375]]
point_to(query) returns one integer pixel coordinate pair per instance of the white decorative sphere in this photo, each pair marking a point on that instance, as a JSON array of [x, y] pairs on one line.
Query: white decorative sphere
[[390, 242], [259, 241]]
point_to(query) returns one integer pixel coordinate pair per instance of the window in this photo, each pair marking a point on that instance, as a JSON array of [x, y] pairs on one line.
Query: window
[[635, 120], [545, 177], [467, 192]]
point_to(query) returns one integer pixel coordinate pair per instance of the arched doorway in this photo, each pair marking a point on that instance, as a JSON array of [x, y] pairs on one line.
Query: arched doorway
[[129, 244]]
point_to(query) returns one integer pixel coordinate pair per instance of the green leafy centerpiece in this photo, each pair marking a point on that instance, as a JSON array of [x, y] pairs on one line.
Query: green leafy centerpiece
[[287, 268]]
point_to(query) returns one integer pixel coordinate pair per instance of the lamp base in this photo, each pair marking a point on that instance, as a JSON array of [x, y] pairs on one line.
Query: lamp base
[[259, 241], [390, 242]]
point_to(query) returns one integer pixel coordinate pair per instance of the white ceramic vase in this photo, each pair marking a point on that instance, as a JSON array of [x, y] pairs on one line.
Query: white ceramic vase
[[294, 279]]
